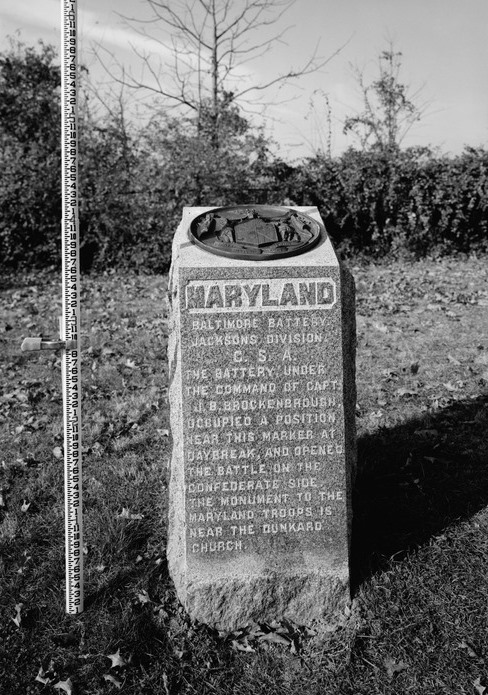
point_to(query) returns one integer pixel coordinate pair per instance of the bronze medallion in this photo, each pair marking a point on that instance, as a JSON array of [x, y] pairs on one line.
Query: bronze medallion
[[255, 232]]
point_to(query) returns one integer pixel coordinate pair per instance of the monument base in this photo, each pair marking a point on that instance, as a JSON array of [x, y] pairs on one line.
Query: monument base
[[229, 604]]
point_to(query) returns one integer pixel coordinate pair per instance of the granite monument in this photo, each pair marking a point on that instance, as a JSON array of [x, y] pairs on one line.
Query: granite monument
[[262, 397]]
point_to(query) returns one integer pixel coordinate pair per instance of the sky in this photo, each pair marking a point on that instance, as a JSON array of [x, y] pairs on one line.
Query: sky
[[444, 46]]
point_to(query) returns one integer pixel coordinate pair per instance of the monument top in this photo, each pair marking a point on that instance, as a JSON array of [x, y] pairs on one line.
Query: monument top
[[257, 233], [191, 254]]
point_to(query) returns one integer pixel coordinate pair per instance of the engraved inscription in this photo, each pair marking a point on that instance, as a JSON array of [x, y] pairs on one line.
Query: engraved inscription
[[264, 421], [203, 296]]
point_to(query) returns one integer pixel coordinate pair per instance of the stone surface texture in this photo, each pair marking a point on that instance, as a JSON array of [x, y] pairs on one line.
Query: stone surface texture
[[262, 397]]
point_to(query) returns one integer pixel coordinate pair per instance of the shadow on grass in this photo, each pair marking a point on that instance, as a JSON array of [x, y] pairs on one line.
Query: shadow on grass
[[415, 480]]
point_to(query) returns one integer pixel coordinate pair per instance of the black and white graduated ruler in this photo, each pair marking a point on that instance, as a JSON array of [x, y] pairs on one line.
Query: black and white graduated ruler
[[69, 342]]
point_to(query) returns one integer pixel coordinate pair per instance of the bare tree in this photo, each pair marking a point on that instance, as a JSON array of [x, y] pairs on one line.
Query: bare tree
[[202, 48], [319, 116], [389, 111]]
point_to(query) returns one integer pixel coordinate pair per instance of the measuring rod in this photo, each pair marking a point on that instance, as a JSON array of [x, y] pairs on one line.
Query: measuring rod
[[70, 318], [69, 342]]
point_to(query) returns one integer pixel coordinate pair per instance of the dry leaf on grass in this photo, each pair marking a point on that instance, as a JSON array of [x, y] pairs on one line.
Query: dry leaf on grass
[[393, 667], [41, 677], [469, 649], [116, 659], [125, 514], [275, 638], [479, 687], [112, 679], [143, 597], [453, 360], [406, 392], [242, 646], [66, 685], [17, 618], [450, 387]]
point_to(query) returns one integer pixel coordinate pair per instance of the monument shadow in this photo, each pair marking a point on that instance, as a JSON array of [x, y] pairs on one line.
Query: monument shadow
[[416, 479]]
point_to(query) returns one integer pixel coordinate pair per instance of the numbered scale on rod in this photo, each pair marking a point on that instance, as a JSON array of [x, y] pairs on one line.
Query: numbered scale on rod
[[70, 318]]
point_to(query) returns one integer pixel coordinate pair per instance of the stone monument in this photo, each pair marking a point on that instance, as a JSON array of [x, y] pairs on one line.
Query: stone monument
[[262, 396]]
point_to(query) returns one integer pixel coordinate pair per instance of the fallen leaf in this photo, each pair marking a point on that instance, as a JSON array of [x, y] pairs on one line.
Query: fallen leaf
[[469, 649], [66, 685], [406, 392], [41, 677], [116, 659], [481, 689], [143, 597], [392, 667], [275, 638], [25, 506], [161, 613], [242, 646], [450, 387], [255, 632], [18, 619], [112, 679], [125, 514]]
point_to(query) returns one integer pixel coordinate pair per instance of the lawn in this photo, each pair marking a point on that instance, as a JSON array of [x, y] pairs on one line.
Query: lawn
[[418, 622]]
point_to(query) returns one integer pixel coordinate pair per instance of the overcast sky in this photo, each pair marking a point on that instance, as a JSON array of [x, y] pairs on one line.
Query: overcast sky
[[444, 45]]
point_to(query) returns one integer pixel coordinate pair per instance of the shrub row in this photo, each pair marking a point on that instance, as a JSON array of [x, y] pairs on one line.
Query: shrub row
[[414, 203], [134, 183], [410, 202]]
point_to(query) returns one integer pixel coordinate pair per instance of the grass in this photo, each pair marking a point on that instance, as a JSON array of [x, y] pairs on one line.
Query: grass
[[418, 622]]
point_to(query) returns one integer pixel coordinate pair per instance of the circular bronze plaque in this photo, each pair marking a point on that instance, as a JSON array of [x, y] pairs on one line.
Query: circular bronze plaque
[[255, 232]]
